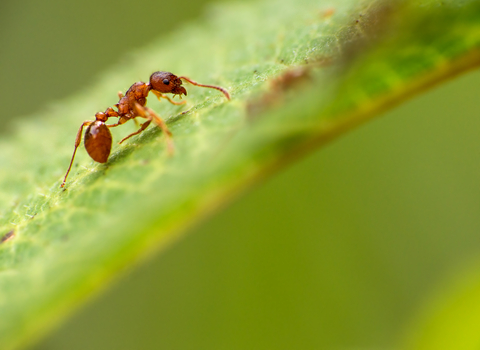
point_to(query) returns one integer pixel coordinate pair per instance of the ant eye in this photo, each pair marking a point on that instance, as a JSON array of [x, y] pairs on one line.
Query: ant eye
[[166, 81]]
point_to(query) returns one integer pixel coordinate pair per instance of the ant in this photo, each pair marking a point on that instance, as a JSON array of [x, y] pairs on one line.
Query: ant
[[98, 139]]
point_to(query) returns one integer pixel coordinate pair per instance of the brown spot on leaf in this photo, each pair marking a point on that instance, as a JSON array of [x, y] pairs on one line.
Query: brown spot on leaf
[[327, 13], [290, 80], [7, 236]]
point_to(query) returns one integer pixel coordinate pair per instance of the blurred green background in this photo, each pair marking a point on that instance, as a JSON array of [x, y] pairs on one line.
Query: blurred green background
[[343, 249], [52, 49]]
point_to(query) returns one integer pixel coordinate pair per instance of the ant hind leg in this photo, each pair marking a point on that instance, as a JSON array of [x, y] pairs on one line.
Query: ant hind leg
[[77, 143]]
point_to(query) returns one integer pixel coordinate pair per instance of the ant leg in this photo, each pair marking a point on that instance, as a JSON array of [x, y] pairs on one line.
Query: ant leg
[[161, 124], [160, 95], [121, 120], [222, 90], [149, 113], [142, 127], [113, 125], [77, 143]]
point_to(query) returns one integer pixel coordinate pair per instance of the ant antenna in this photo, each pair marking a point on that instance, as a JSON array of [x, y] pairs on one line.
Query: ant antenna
[[222, 90]]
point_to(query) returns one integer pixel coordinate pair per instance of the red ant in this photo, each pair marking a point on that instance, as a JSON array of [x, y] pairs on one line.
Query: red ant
[[98, 139]]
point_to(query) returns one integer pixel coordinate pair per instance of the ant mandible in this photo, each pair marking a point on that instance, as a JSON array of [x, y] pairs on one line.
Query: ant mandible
[[98, 139]]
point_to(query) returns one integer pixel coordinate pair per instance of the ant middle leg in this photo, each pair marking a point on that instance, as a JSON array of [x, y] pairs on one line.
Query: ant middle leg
[[113, 125], [142, 127], [121, 120]]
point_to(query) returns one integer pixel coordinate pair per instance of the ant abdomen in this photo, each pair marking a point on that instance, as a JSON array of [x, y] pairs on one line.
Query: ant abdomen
[[98, 141]]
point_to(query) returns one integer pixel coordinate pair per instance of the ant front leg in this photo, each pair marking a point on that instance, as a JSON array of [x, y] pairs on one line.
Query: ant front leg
[[77, 143], [160, 95], [150, 114]]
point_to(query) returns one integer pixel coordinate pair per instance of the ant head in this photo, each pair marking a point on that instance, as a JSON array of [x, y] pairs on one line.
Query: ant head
[[166, 82]]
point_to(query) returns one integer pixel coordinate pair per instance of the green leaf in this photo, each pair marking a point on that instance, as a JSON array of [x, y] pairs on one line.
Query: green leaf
[[451, 319], [299, 74]]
